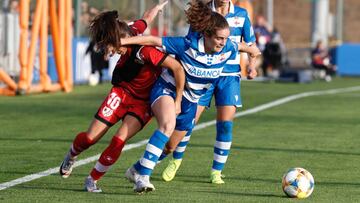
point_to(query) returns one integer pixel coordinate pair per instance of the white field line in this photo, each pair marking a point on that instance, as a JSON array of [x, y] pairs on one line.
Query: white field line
[[262, 107]]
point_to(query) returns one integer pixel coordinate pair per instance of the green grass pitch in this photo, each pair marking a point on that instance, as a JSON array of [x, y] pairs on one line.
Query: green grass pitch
[[318, 133]]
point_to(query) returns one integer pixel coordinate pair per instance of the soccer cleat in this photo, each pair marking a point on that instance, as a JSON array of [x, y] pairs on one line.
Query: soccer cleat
[[67, 166], [171, 169], [90, 185], [131, 174], [216, 177], [143, 184]]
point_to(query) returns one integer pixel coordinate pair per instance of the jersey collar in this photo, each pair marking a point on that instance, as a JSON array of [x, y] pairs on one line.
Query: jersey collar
[[231, 10]]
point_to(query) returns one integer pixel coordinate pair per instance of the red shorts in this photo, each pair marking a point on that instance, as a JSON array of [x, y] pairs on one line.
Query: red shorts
[[120, 103]]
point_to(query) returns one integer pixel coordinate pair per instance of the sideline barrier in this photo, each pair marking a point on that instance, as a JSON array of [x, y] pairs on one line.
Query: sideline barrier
[[61, 29], [347, 59]]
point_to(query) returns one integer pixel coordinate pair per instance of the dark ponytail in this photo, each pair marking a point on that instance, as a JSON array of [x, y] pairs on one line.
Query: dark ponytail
[[203, 20], [107, 29]]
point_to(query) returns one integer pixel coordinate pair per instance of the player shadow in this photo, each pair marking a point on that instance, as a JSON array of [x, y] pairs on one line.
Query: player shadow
[[205, 179], [49, 187], [184, 178], [266, 149], [124, 189], [43, 140], [250, 179], [248, 194], [278, 181], [352, 184]]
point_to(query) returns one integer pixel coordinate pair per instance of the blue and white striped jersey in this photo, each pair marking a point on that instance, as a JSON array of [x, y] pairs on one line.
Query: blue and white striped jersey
[[201, 69], [240, 30]]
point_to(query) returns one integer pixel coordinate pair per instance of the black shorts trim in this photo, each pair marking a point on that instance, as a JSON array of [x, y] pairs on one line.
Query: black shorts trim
[[137, 117], [103, 120]]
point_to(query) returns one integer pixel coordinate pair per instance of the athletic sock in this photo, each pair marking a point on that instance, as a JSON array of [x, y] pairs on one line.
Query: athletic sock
[[153, 150], [180, 149], [223, 144], [162, 156], [108, 158]]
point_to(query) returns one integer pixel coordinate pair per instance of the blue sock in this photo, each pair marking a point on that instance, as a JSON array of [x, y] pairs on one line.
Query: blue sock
[[153, 150], [180, 149], [222, 144], [162, 156]]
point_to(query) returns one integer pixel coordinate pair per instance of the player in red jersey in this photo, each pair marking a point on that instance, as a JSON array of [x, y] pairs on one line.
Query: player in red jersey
[[133, 78]]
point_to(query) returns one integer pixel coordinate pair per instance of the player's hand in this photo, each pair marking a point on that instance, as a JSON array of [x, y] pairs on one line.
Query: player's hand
[[161, 6], [150, 14], [177, 107], [254, 51], [252, 73]]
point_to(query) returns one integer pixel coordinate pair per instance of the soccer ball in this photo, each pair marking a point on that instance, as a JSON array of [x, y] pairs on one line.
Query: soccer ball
[[298, 183]]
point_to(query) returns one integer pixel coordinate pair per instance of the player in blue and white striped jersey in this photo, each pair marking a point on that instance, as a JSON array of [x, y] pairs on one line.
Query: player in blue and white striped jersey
[[203, 57], [226, 92]]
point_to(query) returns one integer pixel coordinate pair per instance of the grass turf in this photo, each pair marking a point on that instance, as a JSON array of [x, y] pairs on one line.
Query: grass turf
[[319, 133]]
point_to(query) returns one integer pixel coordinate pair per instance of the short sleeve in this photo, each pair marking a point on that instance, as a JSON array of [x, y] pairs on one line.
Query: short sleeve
[[233, 47], [174, 45], [248, 35], [152, 55], [138, 27]]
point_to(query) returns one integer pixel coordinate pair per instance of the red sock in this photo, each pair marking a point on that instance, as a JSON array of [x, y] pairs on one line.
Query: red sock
[[81, 143], [108, 158]]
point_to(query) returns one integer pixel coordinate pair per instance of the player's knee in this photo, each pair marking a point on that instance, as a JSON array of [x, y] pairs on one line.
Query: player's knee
[[167, 128], [83, 141], [90, 139]]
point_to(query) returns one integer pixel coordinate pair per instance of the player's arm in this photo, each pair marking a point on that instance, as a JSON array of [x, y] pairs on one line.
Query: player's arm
[[142, 40], [251, 69], [179, 76], [252, 49], [150, 14], [249, 39]]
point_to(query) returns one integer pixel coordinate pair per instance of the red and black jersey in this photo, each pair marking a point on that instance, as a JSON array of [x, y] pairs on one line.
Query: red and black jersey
[[138, 70]]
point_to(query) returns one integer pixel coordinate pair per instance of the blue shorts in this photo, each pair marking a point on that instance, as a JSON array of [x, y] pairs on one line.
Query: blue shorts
[[226, 91], [186, 119]]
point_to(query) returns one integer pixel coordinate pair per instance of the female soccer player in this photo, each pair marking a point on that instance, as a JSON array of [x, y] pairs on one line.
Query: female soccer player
[[203, 57], [128, 100], [226, 92]]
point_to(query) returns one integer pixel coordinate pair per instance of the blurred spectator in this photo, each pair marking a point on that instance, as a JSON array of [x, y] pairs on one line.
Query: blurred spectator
[[14, 6], [320, 59], [84, 7], [10, 35], [85, 20], [262, 32], [274, 55], [98, 63]]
